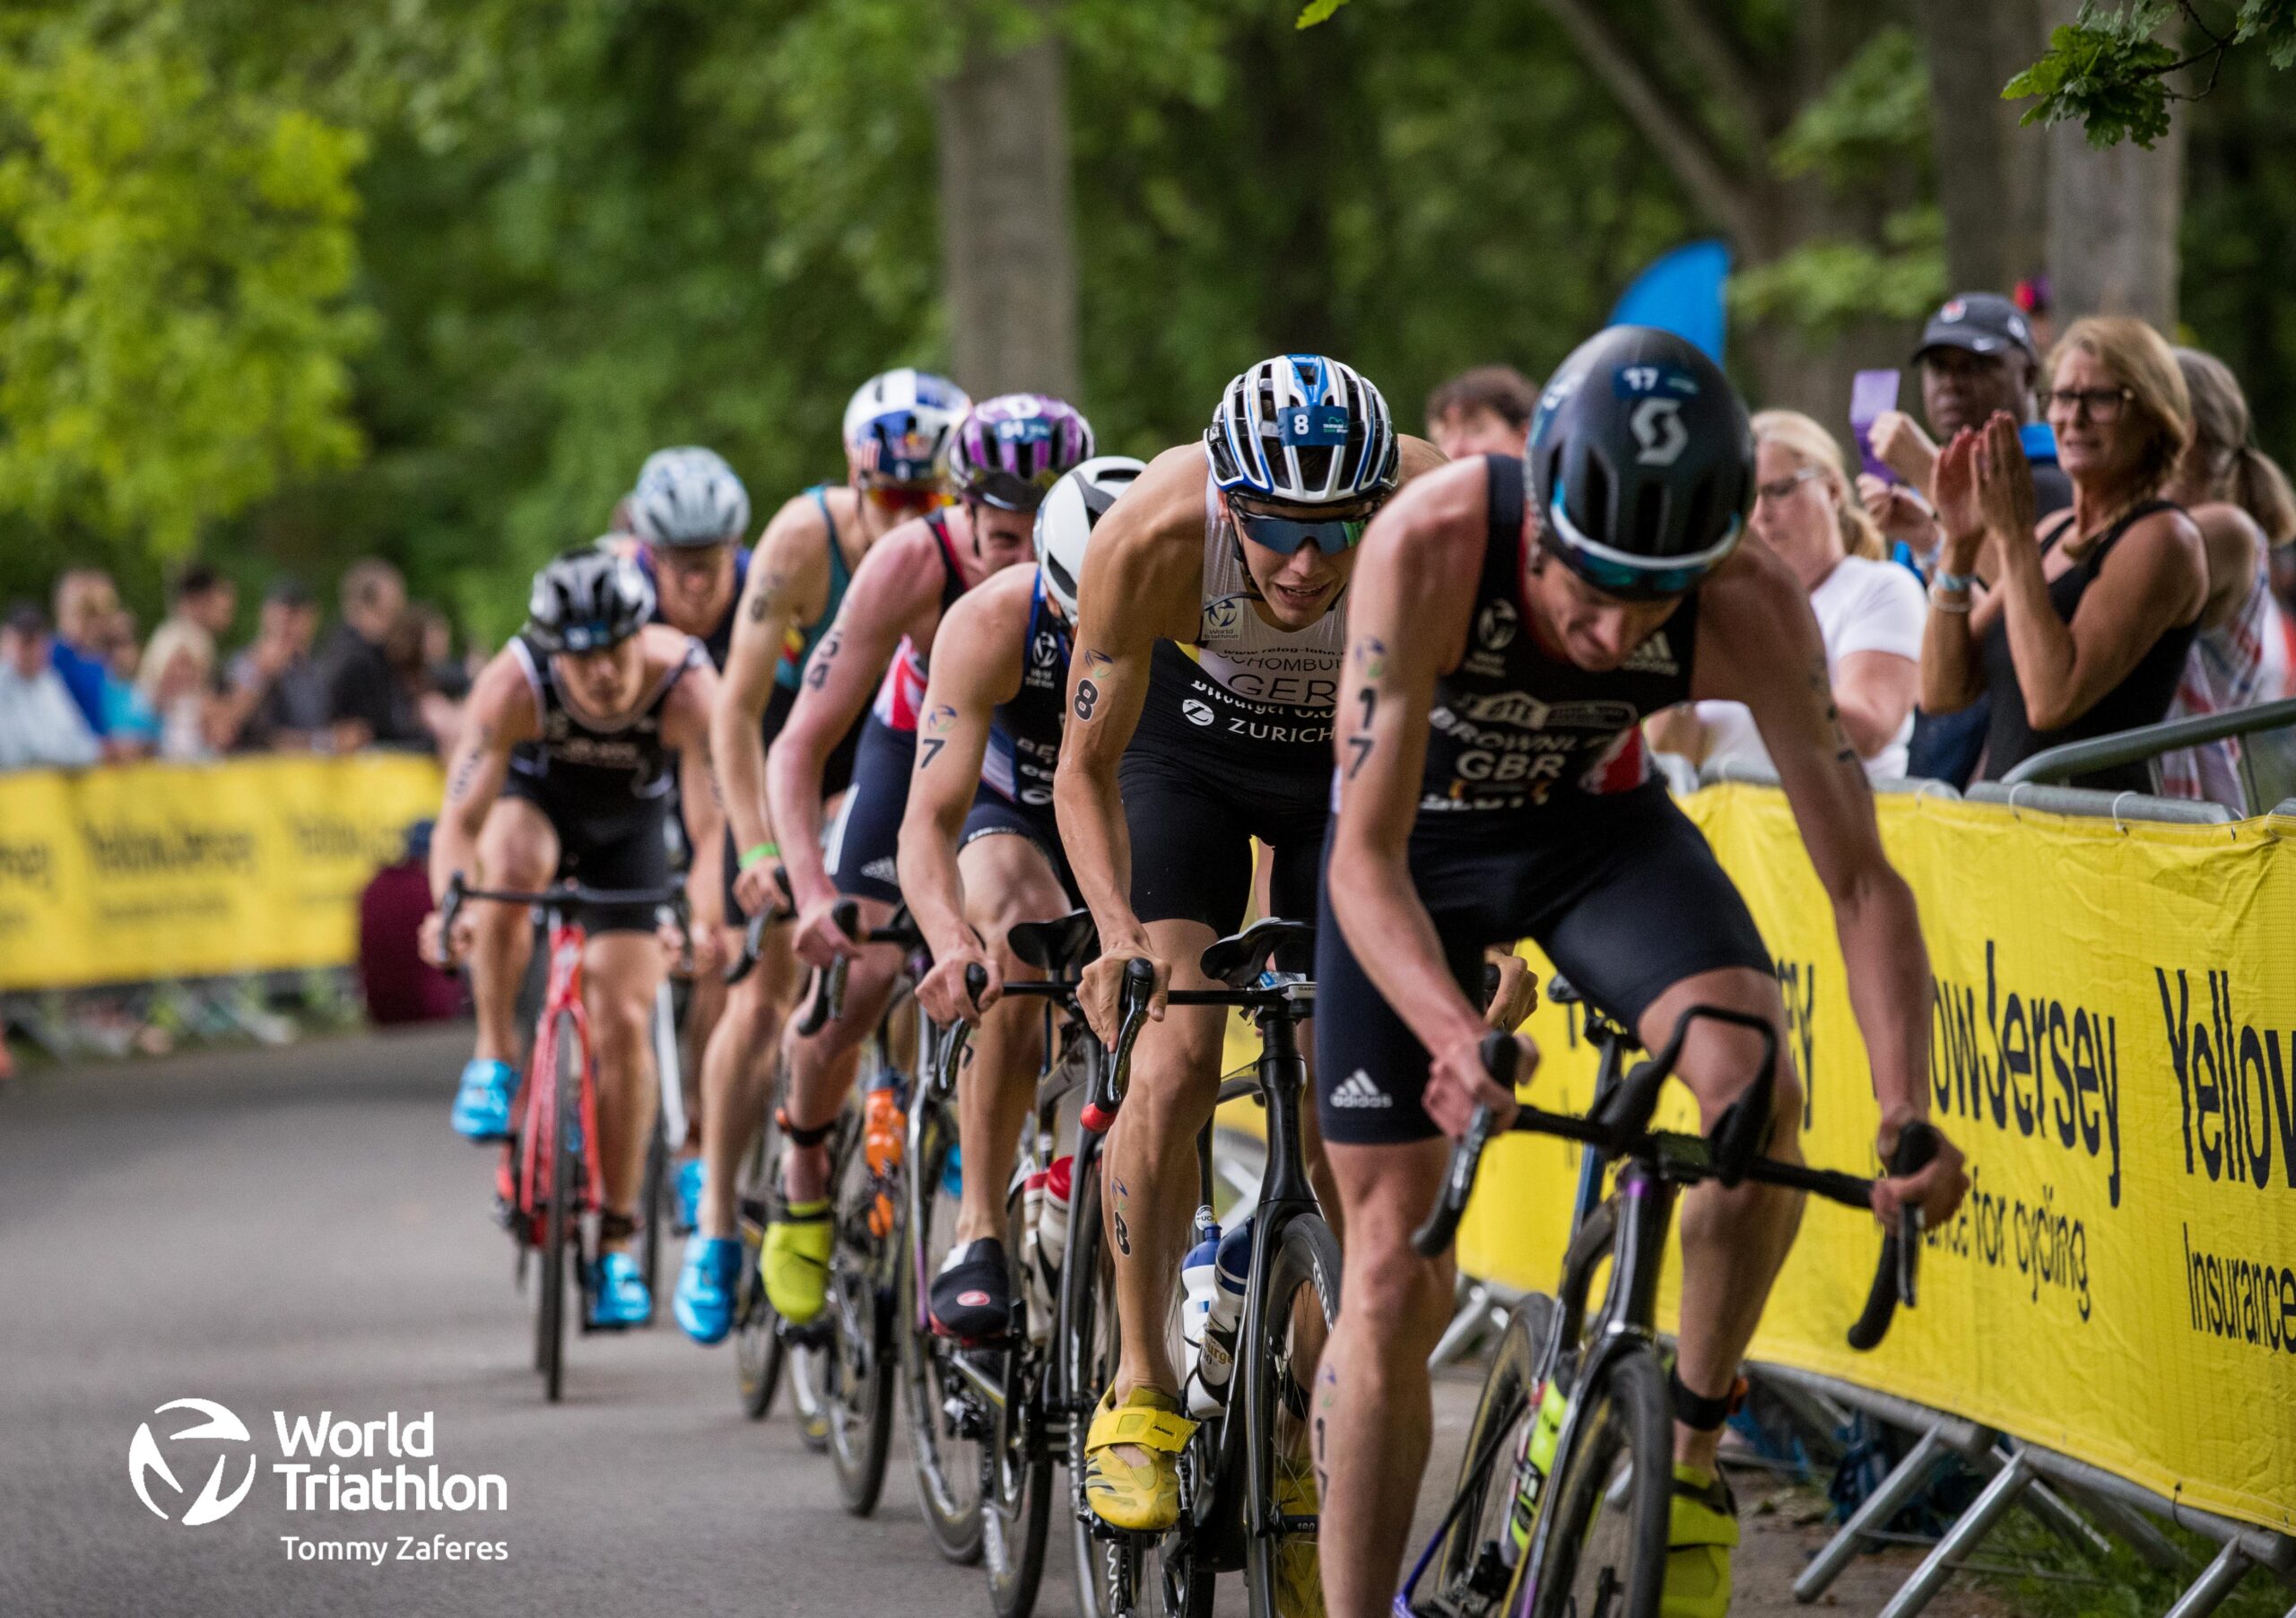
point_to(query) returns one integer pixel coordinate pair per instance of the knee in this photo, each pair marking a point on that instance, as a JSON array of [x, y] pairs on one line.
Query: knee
[[1402, 1298], [624, 1026], [1167, 1102]]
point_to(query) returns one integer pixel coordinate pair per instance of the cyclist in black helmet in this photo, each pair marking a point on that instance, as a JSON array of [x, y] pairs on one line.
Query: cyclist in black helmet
[[563, 770], [1505, 642]]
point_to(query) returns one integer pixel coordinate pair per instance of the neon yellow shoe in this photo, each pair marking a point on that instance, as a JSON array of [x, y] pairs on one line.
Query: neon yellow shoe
[[1298, 1583], [795, 1260], [1702, 1527], [1142, 1499]]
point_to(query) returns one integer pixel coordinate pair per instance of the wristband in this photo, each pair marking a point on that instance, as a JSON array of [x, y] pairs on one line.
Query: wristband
[[1953, 584], [1942, 600], [758, 856]]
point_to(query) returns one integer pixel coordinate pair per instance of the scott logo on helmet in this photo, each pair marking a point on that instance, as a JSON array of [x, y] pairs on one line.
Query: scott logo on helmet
[[1657, 424]]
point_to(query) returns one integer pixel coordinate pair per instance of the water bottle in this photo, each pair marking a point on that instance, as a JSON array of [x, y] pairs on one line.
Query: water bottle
[[1052, 1224], [1537, 1459], [1035, 1274], [1215, 1360], [884, 1139], [1197, 1280]]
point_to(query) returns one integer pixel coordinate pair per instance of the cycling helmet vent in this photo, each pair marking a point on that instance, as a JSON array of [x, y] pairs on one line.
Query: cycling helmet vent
[[898, 426], [587, 600], [1071, 511], [1304, 431], [1008, 450]]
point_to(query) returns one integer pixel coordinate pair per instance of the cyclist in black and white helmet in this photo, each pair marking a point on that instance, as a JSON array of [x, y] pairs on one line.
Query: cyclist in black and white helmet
[[1208, 640], [1511, 626], [564, 771]]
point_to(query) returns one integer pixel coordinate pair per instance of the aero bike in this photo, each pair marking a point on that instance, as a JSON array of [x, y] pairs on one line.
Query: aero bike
[[1564, 1492], [1248, 1494], [1005, 1395], [549, 1183]]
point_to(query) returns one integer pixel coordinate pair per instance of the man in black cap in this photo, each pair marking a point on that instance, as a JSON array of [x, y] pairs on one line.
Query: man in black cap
[[1977, 356]]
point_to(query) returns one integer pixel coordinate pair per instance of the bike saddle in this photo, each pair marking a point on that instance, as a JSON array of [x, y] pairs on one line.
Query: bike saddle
[[1058, 947], [1238, 960], [1559, 991]]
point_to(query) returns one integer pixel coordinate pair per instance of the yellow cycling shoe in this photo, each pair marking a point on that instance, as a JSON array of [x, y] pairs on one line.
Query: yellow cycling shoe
[[1702, 1527], [795, 1260], [1299, 1584], [1142, 1499]]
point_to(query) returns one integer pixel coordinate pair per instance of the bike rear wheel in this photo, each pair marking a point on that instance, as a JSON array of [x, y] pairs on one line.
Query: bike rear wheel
[[1610, 1500], [1478, 1561], [561, 1152], [1016, 1507], [1298, 1306], [863, 1278], [653, 1198], [948, 1418]]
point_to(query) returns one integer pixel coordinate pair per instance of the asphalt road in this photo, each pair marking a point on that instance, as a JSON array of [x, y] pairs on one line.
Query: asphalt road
[[298, 1232]]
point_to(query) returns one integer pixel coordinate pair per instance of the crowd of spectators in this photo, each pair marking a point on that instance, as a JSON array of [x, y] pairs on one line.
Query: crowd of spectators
[[2063, 544], [82, 688]]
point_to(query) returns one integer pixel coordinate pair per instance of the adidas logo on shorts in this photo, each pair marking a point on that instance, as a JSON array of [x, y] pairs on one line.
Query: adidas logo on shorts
[[883, 869], [1358, 1091]]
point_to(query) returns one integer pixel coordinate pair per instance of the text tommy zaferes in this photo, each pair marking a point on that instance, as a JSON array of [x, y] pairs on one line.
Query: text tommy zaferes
[[318, 1484]]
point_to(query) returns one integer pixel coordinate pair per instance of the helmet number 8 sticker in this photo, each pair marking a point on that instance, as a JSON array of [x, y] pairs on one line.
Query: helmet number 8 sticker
[[1313, 426]]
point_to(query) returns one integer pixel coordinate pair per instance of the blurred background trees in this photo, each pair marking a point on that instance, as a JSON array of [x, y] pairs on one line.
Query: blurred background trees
[[286, 282]]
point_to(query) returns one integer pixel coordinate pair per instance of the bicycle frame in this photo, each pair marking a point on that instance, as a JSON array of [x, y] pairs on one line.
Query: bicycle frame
[[562, 996]]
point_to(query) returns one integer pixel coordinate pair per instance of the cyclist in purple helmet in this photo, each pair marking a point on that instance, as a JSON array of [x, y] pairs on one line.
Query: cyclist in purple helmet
[[1009, 449]]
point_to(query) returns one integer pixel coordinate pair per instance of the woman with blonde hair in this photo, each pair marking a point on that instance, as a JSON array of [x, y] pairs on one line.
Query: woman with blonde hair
[[2085, 632], [2242, 504], [1868, 610]]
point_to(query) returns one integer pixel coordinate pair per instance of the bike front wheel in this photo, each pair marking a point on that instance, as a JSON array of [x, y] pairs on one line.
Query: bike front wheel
[[1016, 1507], [862, 1278], [1298, 1308], [758, 1348], [1605, 1550], [947, 1417]]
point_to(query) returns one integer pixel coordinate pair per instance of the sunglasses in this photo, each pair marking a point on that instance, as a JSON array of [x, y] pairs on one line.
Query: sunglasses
[[1627, 576], [904, 496], [1284, 534]]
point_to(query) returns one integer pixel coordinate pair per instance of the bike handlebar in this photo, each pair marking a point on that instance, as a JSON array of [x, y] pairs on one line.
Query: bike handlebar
[[753, 935], [1139, 988], [459, 892], [1624, 1131]]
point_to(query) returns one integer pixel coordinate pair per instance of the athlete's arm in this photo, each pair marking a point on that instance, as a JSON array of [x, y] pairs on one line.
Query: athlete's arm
[[500, 714], [1412, 591], [975, 669], [788, 582], [685, 727], [898, 584], [1142, 582], [1758, 644]]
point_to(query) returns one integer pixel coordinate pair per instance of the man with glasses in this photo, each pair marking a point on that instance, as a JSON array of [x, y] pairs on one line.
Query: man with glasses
[[1001, 456], [1200, 698]]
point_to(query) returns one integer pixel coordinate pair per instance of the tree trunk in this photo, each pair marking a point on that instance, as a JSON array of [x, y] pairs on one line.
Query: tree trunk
[[1008, 254], [1992, 177], [2113, 217]]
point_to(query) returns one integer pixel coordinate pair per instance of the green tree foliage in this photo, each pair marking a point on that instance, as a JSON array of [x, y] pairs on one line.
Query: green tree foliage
[[2111, 67], [174, 255]]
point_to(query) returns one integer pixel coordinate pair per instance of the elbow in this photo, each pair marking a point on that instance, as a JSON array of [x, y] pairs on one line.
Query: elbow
[[1868, 886], [2050, 710]]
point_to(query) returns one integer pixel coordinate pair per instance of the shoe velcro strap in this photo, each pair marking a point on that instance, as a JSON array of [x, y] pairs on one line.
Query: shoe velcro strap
[[801, 1213], [812, 1136], [616, 1226], [1701, 1514], [1163, 1431]]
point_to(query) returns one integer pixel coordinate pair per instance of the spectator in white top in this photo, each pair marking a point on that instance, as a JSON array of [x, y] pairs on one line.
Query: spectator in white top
[[1869, 611], [40, 722]]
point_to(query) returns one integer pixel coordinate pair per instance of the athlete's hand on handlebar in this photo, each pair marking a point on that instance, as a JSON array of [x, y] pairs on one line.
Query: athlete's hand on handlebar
[[443, 946], [1516, 996], [1458, 1081], [942, 991], [1102, 988], [758, 888], [710, 952], [1936, 1189], [819, 940]]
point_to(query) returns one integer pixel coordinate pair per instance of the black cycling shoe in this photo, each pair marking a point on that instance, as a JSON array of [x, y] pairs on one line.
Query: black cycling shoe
[[971, 1299]]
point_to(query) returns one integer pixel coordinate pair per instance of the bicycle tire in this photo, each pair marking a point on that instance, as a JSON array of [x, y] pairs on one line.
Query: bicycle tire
[[947, 1463], [1281, 1577], [564, 1114], [653, 1206], [758, 1352], [811, 1350], [1607, 1547], [1473, 1567], [862, 1280], [1016, 1464]]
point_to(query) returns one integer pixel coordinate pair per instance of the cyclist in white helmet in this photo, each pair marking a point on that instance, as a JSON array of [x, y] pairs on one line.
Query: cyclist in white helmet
[[894, 428], [1201, 696]]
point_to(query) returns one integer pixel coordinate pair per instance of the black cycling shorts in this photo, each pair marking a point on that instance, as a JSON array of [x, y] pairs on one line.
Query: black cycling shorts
[[836, 775], [1625, 896], [993, 814], [865, 839], [627, 849], [1192, 820]]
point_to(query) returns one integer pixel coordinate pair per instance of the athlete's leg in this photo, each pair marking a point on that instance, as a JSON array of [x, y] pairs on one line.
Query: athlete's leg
[[518, 850], [1733, 1241], [737, 1076], [1007, 881], [705, 1010], [1149, 1183], [821, 1067], [1372, 1411], [622, 973]]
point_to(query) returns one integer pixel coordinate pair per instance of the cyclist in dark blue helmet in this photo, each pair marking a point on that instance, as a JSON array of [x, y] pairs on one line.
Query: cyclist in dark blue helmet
[[1513, 621]]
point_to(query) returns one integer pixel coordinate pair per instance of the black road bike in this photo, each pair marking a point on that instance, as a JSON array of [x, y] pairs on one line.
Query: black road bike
[[1583, 1533]]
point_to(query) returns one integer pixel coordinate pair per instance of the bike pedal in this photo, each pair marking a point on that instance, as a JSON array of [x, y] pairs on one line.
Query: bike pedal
[[816, 1334]]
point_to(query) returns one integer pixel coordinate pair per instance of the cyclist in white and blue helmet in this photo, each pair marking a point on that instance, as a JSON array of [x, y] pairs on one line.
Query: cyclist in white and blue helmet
[[896, 431], [1209, 632]]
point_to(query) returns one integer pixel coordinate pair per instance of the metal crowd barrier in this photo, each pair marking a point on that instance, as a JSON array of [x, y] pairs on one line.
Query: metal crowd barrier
[[2146, 743]]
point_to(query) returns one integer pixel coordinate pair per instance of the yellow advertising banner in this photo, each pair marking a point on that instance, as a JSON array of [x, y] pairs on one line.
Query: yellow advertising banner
[[138, 872], [2113, 1045]]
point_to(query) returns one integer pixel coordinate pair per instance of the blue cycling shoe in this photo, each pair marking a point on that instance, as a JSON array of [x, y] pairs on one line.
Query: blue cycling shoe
[[689, 1186], [618, 1295], [704, 1302], [483, 1104]]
